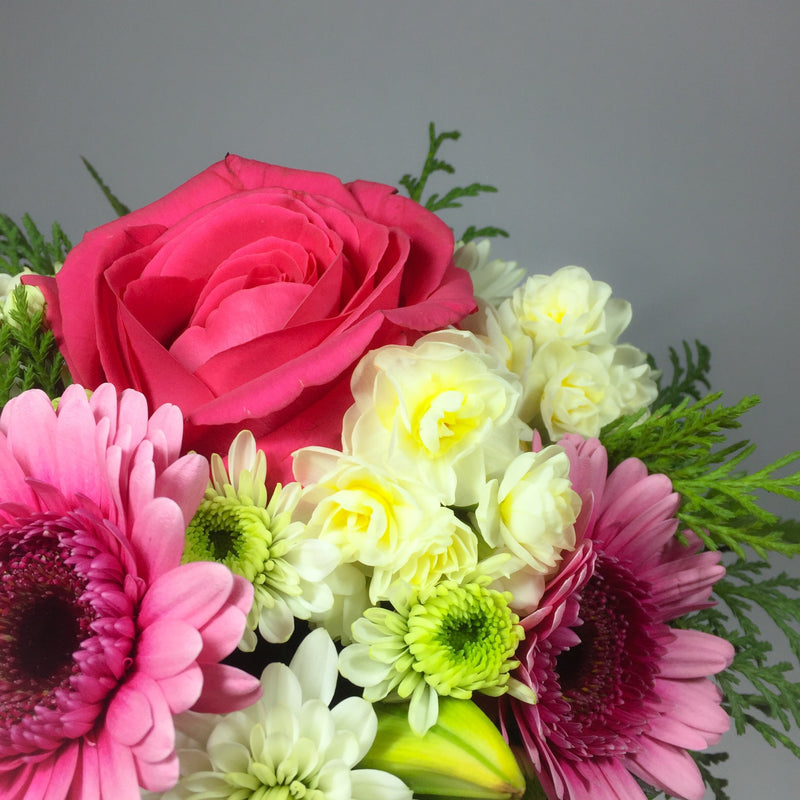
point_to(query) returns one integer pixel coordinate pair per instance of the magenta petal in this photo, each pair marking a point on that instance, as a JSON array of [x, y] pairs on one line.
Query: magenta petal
[[182, 691], [192, 592], [129, 717], [669, 768], [118, 779], [694, 654], [157, 537], [167, 647], [226, 689]]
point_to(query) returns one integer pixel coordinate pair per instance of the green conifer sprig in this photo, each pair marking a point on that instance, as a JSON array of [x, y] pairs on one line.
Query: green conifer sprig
[[29, 356], [773, 706], [719, 499], [451, 199], [685, 379], [26, 246]]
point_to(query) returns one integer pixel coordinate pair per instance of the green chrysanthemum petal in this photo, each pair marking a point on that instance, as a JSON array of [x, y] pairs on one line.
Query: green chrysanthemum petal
[[231, 532]]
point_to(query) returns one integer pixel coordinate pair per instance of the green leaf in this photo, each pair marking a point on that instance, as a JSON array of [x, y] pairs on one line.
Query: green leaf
[[757, 694], [29, 356], [685, 379], [719, 499], [451, 199], [25, 246], [119, 207]]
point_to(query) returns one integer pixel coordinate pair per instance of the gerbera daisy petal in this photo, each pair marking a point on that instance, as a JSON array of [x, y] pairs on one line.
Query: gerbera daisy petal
[[225, 688], [99, 620], [617, 688], [669, 768], [694, 654]]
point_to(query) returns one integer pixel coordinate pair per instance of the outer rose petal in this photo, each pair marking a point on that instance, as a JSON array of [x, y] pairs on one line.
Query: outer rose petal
[[379, 270]]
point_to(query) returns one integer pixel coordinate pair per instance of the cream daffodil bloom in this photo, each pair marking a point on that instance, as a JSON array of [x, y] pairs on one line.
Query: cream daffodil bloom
[[444, 410], [530, 512], [570, 306], [394, 528]]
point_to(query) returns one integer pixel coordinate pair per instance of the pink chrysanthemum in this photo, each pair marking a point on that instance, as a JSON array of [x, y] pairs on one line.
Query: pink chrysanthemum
[[620, 692], [103, 635]]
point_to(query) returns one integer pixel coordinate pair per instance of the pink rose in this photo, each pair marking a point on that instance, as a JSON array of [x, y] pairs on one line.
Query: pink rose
[[246, 297]]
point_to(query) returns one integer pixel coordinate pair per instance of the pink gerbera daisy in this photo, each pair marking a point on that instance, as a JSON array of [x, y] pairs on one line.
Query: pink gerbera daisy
[[620, 693], [103, 634]]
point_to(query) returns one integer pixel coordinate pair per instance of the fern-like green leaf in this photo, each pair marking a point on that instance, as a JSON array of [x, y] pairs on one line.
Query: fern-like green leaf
[[685, 379], [119, 207], [451, 199], [719, 499], [29, 356], [25, 246]]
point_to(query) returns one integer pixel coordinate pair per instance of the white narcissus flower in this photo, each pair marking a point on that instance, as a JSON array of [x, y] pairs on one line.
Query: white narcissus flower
[[530, 512], [289, 744], [256, 536], [570, 306], [444, 410], [395, 528], [493, 280], [569, 390]]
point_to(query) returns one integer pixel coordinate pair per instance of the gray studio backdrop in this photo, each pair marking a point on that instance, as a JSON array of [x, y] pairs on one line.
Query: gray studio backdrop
[[655, 143]]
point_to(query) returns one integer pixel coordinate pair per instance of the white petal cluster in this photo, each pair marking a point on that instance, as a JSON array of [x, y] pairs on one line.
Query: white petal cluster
[[287, 565], [289, 743], [530, 511], [444, 410], [559, 334], [492, 280], [394, 527]]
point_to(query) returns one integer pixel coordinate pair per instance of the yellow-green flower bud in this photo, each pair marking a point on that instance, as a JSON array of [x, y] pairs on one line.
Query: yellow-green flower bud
[[445, 762]]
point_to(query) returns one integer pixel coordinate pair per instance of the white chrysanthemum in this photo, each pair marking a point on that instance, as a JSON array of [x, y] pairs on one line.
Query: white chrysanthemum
[[444, 410], [255, 535], [395, 528], [530, 512], [493, 280], [569, 306], [289, 744]]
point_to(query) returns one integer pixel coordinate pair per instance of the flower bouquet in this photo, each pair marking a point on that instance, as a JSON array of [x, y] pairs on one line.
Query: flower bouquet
[[303, 498]]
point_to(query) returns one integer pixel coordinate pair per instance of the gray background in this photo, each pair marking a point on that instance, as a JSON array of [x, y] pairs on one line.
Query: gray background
[[655, 143]]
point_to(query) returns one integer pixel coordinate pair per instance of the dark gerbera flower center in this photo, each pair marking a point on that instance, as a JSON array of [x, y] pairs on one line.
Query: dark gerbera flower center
[[607, 679], [43, 620]]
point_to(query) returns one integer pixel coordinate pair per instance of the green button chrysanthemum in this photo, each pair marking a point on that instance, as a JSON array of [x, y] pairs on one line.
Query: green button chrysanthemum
[[254, 534], [450, 640]]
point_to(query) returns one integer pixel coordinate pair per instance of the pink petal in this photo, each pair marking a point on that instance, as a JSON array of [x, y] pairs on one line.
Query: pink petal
[[158, 538], [193, 592], [600, 779], [184, 481], [129, 717], [182, 691], [694, 654], [167, 647], [158, 776], [696, 703], [669, 768], [118, 780], [226, 689]]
